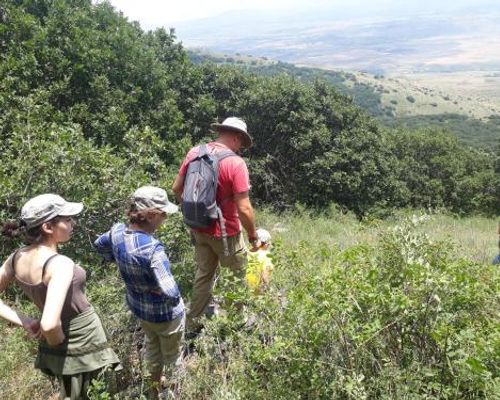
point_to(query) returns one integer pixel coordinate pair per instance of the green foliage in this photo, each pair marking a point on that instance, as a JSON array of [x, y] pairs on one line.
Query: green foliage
[[177, 240], [400, 319], [314, 146], [472, 132], [438, 172], [98, 390], [73, 63], [397, 315], [93, 67], [19, 349], [311, 144], [49, 158], [346, 83]]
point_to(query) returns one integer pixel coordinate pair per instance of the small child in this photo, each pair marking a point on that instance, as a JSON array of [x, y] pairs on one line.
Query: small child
[[260, 265], [496, 260], [151, 291]]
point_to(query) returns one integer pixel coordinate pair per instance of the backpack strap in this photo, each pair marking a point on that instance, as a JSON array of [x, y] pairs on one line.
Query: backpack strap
[[224, 154], [219, 157], [223, 231], [47, 263], [202, 151]]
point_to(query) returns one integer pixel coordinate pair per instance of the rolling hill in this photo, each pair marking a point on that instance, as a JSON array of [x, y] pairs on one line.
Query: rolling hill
[[466, 103]]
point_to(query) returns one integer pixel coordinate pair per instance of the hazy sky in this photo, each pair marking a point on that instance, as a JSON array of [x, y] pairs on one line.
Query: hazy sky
[[156, 13]]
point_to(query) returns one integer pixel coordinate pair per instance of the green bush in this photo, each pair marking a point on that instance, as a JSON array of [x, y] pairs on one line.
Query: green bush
[[93, 107], [400, 319], [436, 171], [59, 159]]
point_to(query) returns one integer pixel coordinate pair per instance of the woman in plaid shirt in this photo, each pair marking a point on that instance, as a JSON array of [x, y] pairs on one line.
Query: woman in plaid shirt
[[151, 291]]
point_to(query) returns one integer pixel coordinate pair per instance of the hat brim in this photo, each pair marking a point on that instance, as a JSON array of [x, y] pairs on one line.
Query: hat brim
[[247, 139], [170, 208], [71, 209]]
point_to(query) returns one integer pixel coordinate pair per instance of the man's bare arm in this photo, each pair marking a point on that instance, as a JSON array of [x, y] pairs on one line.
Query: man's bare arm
[[178, 187], [246, 213]]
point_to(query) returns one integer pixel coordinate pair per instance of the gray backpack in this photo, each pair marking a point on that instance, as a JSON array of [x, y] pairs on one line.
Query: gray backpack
[[199, 205]]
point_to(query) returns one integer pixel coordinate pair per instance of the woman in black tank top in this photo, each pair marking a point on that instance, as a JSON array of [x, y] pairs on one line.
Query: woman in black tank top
[[73, 346]]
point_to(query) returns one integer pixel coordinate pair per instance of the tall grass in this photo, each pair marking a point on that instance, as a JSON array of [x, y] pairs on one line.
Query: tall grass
[[360, 310], [472, 237], [405, 307]]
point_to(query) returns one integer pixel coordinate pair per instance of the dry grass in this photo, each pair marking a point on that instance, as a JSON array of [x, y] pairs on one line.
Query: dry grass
[[474, 94], [472, 237]]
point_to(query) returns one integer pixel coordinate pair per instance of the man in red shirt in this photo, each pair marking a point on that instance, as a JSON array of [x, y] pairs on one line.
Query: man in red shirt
[[233, 199]]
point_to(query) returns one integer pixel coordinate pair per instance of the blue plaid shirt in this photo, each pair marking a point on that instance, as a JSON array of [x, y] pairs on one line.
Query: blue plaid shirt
[[152, 293]]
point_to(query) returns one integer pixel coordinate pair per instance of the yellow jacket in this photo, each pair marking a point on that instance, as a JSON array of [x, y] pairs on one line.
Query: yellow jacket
[[259, 269]]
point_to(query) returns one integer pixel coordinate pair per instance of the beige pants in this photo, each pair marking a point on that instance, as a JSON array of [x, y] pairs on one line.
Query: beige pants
[[163, 344], [209, 252]]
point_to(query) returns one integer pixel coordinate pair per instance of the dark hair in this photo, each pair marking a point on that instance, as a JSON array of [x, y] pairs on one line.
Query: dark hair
[[140, 217], [12, 229], [34, 235]]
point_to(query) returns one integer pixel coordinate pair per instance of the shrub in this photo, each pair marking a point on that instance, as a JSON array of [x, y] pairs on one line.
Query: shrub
[[58, 159], [400, 319]]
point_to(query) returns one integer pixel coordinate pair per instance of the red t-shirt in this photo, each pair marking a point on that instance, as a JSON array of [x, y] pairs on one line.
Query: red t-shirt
[[233, 179]]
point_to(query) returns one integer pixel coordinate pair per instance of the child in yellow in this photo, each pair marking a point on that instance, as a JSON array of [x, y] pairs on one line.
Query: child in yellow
[[260, 266]]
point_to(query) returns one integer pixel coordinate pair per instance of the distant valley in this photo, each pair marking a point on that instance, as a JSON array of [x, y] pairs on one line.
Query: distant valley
[[387, 42], [411, 64]]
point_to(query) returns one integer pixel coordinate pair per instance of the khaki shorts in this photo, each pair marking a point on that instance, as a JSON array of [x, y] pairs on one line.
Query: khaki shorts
[[163, 344]]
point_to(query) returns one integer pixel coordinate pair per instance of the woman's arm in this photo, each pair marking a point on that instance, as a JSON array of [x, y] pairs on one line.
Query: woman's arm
[[163, 275], [29, 324], [104, 247], [58, 278]]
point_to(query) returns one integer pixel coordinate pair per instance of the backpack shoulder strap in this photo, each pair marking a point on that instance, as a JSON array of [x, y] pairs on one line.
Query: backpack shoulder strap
[[218, 157], [202, 151], [221, 155]]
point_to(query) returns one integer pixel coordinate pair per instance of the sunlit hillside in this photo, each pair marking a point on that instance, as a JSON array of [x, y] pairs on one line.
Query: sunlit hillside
[[465, 103], [383, 236]]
